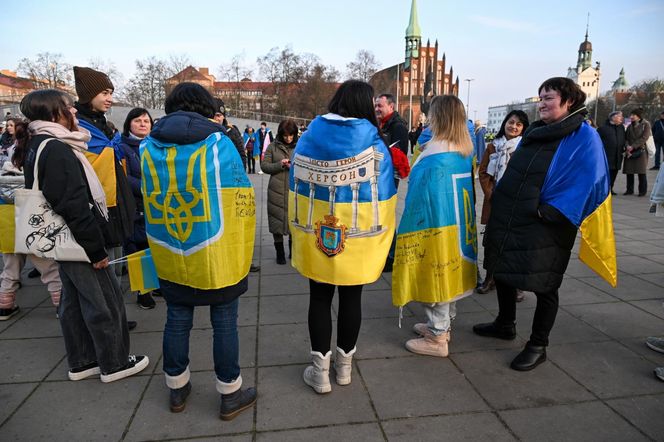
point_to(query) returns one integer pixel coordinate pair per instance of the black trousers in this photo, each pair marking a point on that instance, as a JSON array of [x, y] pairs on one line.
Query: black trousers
[[614, 175], [349, 318], [251, 163], [545, 312], [643, 183]]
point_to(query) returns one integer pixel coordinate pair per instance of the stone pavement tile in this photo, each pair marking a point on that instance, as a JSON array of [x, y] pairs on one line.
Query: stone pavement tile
[[247, 311], [200, 349], [32, 296], [418, 386], [488, 301], [464, 340], [618, 319], [284, 344], [238, 438], [269, 265], [285, 401], [5, 325], [382, 338], [639, 248], [383, 283], [254, 282], [38, 323], [577, 269], [644, 412], [286, 309], [642, 234], [659, 258], [638, 345], [629, 287], [141, 344], [578, 291], [154, 320], [363, 432], [378, 304], [11, 396], [635, 265], [463, 427], [606, 368], [504, 388], [76, 410], [591, 421], [154, 420], [652, 306], [567, 328], [284, 285], [657, 279], [29, 360]]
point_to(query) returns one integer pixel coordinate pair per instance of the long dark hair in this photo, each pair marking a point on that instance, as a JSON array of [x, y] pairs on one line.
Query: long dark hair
[[20, 132], [287, 127], [190, 97], [135, 113], [42, 105], [523, 118], [354, 99]]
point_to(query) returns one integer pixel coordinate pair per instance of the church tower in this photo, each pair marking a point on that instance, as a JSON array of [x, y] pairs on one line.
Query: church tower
[[585, 58], [621, 84], [584, 74], [413, 36]]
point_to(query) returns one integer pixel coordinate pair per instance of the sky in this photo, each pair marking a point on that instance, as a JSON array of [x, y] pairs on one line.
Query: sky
[[508, 48]]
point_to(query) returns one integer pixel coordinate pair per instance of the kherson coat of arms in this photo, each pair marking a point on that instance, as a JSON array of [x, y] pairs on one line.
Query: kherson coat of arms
[[330, 236]]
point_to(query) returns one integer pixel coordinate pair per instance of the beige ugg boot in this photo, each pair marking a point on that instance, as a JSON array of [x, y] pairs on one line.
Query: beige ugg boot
[[343, 365], [422, 329], [430, 345], [317, 376]]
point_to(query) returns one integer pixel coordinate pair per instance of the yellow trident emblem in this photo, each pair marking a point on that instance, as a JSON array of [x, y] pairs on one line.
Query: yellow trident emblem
[[176, 212], [470, 226]]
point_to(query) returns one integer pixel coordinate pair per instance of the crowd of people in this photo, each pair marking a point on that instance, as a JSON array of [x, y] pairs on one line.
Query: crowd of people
[[179, 186]]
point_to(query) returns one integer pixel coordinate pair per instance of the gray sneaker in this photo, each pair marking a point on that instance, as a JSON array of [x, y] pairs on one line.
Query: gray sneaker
[[659, 372], [656, 344]]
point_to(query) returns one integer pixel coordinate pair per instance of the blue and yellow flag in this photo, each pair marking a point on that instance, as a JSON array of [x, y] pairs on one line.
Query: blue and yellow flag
[[7, 227], [101, 154], [142, 272], [200, 211], [577, 184], [436, 253], [342, 201]]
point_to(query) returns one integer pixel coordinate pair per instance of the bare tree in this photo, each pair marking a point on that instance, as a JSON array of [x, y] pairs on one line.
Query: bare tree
[[363, 67], [47, 70], [146, 87], [177, 63], [647, 94], [235, 70]]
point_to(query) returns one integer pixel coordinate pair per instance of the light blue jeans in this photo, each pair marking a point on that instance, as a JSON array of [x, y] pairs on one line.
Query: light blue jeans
[[440, 316]]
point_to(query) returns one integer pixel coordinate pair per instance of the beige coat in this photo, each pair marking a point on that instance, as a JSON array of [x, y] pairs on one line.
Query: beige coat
[[636, 136]]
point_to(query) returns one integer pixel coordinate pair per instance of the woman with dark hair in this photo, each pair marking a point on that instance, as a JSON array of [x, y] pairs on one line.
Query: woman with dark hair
[[553, 181], [92, 311], [276, 162], [249, 140], [137, 126], [200, 223], [636, 153], [492, 167], [342, 214]]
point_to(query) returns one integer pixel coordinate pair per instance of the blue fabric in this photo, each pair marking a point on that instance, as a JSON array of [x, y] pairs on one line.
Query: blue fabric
[[425, 136], [99, 140], [577, 181], [328, 139], [258, 147], [184, 128], [479, 142], [130, 151], [225, 347], [471, 132]]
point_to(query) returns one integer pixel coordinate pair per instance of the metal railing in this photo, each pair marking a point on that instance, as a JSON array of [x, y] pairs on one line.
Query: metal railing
[[263, 116]]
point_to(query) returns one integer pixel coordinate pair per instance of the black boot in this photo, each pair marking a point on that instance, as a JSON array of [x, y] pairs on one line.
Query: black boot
[[178, 398], [529, 358], [281, 255], [495, 330], [235, 403], [290, 247]]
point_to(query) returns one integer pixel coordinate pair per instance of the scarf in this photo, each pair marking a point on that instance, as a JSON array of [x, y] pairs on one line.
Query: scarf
[[77, 141], [498, 160]]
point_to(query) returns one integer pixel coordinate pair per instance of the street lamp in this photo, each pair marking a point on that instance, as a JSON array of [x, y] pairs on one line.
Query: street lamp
[[596, 92], [468, 99]]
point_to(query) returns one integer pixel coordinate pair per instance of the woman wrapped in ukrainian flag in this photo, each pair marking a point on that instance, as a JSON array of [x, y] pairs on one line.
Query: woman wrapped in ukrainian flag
[[341, 211]]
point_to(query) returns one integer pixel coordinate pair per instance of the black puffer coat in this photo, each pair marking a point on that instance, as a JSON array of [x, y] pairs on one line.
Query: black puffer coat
[[613, 139], [528, 244]]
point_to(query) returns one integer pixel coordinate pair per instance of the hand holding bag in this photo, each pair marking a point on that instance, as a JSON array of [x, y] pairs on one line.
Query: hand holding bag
[[39, 230]]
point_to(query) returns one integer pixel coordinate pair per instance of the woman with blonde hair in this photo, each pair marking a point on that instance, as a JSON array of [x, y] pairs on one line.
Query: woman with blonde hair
[[436, 252]]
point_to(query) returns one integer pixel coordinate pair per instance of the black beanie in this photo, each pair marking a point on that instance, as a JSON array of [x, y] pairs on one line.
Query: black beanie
[[89, 83]]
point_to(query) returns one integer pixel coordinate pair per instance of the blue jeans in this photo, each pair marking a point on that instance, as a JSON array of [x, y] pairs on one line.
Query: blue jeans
[[225, 349]]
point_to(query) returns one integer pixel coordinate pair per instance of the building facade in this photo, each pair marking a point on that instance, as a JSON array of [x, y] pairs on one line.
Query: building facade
[[419, 78], [498, 113], [584, 74]]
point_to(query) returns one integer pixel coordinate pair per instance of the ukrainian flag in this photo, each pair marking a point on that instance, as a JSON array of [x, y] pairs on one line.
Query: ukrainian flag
[[436, 252], [7, 227], [342, 201], [142, 273], [200, 211], [101, 154], [577, 184]]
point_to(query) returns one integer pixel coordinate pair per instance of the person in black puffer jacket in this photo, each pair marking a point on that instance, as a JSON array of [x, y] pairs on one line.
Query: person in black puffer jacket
[[528, 243], [613, 138]]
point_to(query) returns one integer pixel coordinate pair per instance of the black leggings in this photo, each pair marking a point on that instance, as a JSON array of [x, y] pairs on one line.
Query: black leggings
[[251, 163], [545, 312], [320, 318]]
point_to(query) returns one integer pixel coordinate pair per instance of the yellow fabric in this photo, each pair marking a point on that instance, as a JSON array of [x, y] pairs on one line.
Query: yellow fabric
[[104, 166], [224, 262], [428, 267], [362, 259], [7, 228], [598, 243]]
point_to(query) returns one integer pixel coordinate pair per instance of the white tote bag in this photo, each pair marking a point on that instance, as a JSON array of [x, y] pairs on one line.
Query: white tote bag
[[650, 145], [39, 230]]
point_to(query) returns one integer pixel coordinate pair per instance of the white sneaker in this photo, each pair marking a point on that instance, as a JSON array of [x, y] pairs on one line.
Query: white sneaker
[[136, 364], [77, 374], [656, 344]]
